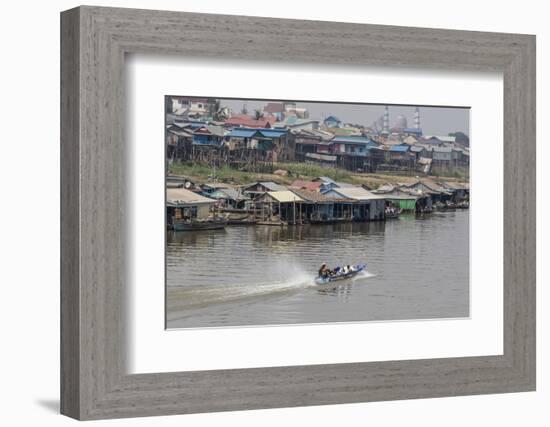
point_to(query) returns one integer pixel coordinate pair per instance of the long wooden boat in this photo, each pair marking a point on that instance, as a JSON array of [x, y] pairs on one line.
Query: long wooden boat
[[241, 221], [180, 225]]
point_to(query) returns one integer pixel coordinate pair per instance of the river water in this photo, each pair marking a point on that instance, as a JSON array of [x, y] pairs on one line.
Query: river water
[[418, 268]]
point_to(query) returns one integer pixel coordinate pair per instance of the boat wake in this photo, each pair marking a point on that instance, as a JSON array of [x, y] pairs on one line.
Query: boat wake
[[285, 279], [363, 275]]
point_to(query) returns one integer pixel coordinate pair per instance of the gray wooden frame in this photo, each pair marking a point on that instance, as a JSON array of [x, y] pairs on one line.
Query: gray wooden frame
[[94, 41]]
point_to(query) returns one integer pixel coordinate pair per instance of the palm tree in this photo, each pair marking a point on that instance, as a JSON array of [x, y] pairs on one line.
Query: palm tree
[[258, 114]]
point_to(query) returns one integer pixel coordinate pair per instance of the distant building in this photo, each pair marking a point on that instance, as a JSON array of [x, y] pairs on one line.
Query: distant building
[[416, 132], [401, 122], [208, 135], [275, 109], [193, 106], [332, 122], [290, 108], [243, 120]]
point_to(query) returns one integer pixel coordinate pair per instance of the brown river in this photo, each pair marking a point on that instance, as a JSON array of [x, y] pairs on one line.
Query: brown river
[[417, 268]]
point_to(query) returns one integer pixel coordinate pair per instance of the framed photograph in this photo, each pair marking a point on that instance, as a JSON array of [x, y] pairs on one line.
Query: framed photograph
[[262, 213]]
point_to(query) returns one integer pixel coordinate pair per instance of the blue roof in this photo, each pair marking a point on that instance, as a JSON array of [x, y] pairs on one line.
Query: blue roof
[[400, 148], [332, 119], [351, 139], [412, 130], [242, 133], [249, 132], [197, 125], [272, 133], [325, 179]]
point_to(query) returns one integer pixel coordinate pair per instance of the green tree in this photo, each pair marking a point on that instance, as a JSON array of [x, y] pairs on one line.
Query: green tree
[[461, 138], [258, 114]]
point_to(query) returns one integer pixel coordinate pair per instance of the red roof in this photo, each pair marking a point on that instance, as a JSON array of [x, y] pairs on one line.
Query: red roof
[[306, 185], [250, 122]]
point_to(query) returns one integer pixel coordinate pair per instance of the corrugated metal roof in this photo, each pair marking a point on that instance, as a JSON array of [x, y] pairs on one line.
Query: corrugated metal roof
[[357, 193], [308, 185], [325, 179], [215, 130], [226, 193], [181, 196], [273, 133], [399, 148], [242, 133], [311, 196], [270, 185], [385, 188], [351, 139], [344, 185], [273, 186], [285, 196]]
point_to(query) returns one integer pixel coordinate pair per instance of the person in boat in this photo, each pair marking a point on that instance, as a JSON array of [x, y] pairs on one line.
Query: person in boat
[[324, 271]]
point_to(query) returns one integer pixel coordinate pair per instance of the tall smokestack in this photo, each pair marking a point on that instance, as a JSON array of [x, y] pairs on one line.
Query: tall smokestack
[[386, 122], [417, 118]]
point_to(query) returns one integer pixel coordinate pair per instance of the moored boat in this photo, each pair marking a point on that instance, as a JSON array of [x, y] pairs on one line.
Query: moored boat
[[210, 224], [392, 213]]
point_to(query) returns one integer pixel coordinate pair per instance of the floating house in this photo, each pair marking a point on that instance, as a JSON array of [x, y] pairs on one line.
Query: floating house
[[368, 206], [318, 208], [426, 187], [407, 200], [460, 191], [184, 204], [228, 198], [257, 188], [279, 207]]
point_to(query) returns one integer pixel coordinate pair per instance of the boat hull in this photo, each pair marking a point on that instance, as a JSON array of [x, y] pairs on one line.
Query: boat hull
[[196, 226], [333, 279]]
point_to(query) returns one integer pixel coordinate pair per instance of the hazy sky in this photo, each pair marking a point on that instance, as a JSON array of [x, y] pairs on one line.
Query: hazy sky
[[433, 120]]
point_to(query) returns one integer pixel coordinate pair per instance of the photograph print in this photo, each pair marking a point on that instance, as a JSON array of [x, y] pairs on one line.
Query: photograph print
[[282, 212]]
